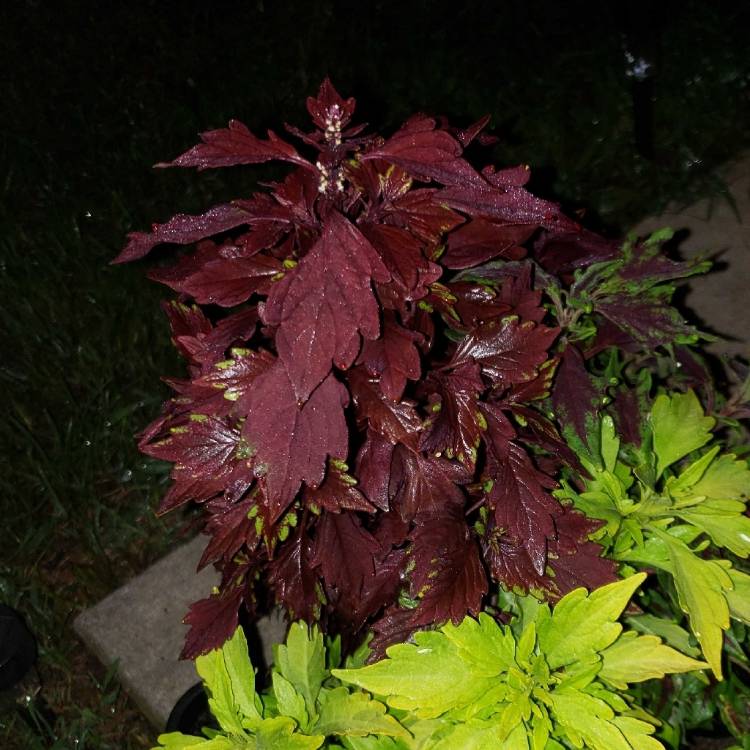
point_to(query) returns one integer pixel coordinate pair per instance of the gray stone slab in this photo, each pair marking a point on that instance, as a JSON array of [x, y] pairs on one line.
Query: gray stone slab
[[140, 626], [718, 229]]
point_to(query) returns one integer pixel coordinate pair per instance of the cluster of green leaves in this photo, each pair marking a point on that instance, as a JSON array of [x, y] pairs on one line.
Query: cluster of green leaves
[[549, 680], [675, 503], [303, 706]]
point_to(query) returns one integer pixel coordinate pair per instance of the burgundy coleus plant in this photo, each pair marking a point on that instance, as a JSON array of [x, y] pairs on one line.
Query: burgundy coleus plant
[[368, 425]]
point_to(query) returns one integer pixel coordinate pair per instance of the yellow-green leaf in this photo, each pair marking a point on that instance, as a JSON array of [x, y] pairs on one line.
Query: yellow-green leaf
[[727, 477], [635, 658], [228, 675], [701, 586], [739, 598], [637, 733], [679, 427], [587, 717], [354, 714], [726, 529], [428, 676], [583, 623], [278, 734], [302, 661]]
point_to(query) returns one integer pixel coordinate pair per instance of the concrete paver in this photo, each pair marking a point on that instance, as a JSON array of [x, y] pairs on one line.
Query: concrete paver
[[140, 626]]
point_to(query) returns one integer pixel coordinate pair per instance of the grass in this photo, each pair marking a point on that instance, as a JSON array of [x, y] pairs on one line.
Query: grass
[[91, 98]]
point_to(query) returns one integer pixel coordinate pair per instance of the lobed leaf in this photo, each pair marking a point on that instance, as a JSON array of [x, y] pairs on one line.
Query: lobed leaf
[[679, 427], [583, 624], [635, 658]]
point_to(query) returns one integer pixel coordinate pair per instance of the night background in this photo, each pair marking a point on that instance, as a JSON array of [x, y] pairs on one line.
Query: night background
[[92, 96]]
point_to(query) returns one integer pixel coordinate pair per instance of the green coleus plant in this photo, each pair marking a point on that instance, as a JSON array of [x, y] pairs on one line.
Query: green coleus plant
[[675, 503], [303, 707], [550, 679]]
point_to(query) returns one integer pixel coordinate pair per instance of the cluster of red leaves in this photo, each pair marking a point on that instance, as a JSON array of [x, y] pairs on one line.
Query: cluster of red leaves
[[364, 428]]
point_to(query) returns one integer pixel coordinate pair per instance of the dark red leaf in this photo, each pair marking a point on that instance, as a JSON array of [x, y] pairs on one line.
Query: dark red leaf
[[206, 347], [380, 588], [542, 432], [509, 351], [324, 305], [536, 389], [454, 422], [401, 254], [467, 135], [562, 253], [448, 577], [292, 577], [329, 110], [649, 320], [212, 278], [396, 422], [234, 377], [184, 229], [231, 529], [291, 443], [345, 552], [474, 304], [338, 492], [374, 468], [518, 497], [509, 177], [393, 357], [227, 147], [297, 195], [510, 205], [575, 398], [480, 240], [425, 484], [574, 560], [508, 561], [396, 625], [424, 215], [426, 153], [201, 446], [212, 621], [517, 292]]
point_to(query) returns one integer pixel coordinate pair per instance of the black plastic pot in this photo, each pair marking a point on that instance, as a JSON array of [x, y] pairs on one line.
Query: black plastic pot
[[190, 714]]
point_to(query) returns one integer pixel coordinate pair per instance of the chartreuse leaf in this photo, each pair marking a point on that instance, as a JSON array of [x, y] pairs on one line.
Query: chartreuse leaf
[[582, 624], [482, 644], [302, 662], [179, 741], [610, 443], [481, 735], [701, 585], [345, 713], [428, 677], [372, 742], [637, 733], [678, 427], [739, 597], [278, 734], [635, 658], [288, 701], [586, 719], [550, 691], [727, 477], [727, 528], [228, 674]]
